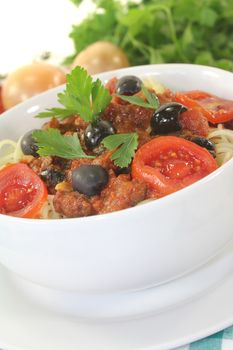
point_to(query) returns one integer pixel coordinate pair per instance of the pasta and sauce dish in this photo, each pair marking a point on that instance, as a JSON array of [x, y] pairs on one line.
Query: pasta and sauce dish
[[113, 147]]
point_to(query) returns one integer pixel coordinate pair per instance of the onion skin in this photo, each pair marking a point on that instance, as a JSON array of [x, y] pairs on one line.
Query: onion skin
[[29, 81], [101, 56]]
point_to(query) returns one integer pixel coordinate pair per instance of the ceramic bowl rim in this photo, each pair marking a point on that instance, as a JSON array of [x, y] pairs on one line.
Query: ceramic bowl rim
[[136, 209]]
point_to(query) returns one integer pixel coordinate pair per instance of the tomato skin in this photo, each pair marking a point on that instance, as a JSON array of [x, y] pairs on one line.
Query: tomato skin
[[194, 121], [170, 163], [101, 56], [215, 109], [30, 80], [22, 192], [184, 99], [197, 95]]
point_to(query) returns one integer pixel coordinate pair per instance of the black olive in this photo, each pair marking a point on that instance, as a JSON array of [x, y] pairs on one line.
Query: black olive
[[119, 171], [89, 179], [52, 176], [96, 132], [201, 141], [128, 85], [28, 144], [166, 118]]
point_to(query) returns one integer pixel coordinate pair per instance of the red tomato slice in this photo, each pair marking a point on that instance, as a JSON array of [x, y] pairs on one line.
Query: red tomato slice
[[169, 163], [194, 121], [215, 109], [190, 103], [197, 94], [22, 192]]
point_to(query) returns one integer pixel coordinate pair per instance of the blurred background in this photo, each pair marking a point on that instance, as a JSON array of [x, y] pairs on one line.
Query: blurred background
[[43, 40]]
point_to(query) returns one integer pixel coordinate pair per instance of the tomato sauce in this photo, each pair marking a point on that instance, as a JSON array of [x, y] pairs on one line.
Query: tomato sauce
[[162, 163], [124, 190]]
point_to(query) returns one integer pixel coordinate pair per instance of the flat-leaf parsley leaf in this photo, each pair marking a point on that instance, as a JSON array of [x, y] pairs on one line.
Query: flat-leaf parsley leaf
[[82, 96], [151, 99], [124, 146], [52, 143]]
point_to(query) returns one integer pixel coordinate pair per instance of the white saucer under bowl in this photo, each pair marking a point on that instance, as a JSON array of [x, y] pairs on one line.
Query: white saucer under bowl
[[130, 304], [25, 325]]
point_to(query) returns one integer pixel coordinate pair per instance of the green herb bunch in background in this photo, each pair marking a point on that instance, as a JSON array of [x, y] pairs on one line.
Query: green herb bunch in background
[[162, 31]]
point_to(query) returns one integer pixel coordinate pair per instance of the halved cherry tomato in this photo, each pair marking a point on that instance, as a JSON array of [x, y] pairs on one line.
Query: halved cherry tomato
[[169, 163], [215, 109], [194, 121], [22, 192]]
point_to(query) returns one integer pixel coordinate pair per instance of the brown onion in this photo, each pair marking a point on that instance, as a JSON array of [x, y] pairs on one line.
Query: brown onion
[[28, 81], [100, 57]]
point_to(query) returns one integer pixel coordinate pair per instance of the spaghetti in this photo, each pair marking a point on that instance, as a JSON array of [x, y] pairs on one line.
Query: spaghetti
[[223, 140], [10, 152]]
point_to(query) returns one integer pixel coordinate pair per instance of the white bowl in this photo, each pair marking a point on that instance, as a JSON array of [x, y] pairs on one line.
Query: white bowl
[[131, 249]]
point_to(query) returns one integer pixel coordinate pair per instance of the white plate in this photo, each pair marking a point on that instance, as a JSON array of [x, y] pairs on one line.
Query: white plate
[[27, 326]]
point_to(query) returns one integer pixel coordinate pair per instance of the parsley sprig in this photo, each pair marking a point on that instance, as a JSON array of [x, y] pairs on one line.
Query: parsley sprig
[[151, 99], [124, 146], [82, 96], [89, 99], [51, 143]]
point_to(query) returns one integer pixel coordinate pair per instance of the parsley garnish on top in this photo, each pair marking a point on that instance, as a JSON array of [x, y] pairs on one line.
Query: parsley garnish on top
[[151, 99], [82, 96], [51, 143], [88, 99], [124, 146]]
